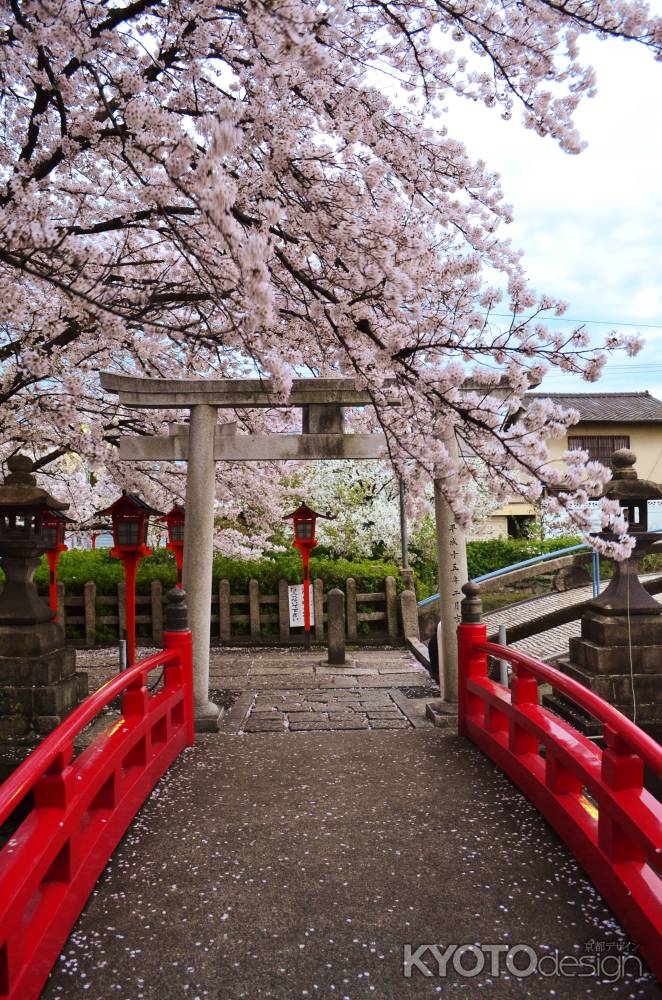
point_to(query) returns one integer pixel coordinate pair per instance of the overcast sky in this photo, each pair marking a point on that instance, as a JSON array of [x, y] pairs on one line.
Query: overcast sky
[[591, 225]]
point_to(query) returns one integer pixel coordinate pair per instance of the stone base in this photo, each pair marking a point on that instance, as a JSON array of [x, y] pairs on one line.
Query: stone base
[[37, 692], [616, 688], [613, 630], [348, 663], [646, 659], [442, 713], [23, 641], [611, 657], [206, 717]]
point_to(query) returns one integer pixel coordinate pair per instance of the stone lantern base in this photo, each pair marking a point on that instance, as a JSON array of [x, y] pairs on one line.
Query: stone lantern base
[[38, 680], [610, 658]]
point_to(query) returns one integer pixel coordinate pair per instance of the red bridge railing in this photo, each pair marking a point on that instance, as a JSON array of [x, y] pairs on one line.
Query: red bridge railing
[[82, 807], [616, 837]]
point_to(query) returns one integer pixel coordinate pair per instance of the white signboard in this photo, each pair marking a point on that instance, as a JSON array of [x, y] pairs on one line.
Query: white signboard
[[295, 594], [655, 515]]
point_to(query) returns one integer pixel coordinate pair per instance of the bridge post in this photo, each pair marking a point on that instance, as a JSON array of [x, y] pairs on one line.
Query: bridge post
[[470, 632], [177, 635]]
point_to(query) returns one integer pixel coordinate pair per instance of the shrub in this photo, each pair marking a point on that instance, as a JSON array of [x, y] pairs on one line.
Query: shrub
[[76, 567], [495, 553], [488, 555]]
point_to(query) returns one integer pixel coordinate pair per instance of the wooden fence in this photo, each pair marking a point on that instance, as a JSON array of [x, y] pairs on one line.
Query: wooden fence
[[93, 619]]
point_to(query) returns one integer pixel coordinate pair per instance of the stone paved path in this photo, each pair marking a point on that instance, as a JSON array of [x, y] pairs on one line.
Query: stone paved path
[[291, 692], [307, 711], [279, 690]]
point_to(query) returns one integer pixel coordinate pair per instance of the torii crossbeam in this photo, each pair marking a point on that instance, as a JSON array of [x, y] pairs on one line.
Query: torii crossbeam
[[203, 442]]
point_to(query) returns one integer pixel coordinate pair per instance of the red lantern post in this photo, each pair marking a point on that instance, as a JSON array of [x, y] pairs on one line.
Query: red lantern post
[[130, 516], [52, 530], [304, 519], [175, 520]]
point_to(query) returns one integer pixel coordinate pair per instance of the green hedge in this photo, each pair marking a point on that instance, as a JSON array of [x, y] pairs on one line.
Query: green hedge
[[76, 567], [484, 557]]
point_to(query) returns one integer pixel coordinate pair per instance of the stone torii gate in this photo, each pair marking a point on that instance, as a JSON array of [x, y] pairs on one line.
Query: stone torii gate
[[203, 442]]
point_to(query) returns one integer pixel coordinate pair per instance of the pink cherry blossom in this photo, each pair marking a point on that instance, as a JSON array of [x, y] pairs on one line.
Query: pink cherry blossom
[[188, 189]]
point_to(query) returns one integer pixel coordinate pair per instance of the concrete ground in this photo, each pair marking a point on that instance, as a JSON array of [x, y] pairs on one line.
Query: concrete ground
[[300, 865]]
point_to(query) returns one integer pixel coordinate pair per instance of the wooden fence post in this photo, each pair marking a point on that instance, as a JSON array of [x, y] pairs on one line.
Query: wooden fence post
[[90, 611], [350, 609], [318, 604], [157, 612], [254, 608], [224, 627], [61, 611], [391, 607], [283, 611]]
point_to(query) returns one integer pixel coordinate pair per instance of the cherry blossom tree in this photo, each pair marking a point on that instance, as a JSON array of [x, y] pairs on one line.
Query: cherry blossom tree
[[225, 189]]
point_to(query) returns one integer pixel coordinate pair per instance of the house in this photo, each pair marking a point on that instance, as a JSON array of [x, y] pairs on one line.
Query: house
[[607, 421]]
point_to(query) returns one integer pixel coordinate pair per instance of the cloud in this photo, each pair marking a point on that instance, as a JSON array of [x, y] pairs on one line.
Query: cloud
[[590, 225]]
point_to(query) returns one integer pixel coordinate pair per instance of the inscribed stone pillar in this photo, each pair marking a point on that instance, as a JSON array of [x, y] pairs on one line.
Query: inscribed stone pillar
[[335, 606], [451, 575], [198, 555]]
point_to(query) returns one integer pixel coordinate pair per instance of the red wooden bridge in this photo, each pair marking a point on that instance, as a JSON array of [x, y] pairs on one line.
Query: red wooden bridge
[[78, 810]]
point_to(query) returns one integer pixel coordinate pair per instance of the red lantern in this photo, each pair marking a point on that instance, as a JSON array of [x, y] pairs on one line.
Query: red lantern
[[53, 527], [130, 516], [175, 520], [304, 519]]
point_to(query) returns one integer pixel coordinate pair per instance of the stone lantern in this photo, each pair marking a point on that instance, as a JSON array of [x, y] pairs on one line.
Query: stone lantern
[[38, 684], [619, 652], [625, 594]]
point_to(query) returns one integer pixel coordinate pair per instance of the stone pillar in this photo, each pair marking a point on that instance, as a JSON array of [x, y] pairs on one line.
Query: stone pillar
[[157, 612], [409, 611], [90, 610], [335, 607], [451, 575], [61, 607], [283, 611], [391, 600], [352, 619], [254, 608], [318, 604], [198, 555], [224, 611]]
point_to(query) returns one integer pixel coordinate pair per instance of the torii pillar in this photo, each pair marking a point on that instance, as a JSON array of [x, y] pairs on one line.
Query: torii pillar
[[202, 443], [451, 575], [199, 554]]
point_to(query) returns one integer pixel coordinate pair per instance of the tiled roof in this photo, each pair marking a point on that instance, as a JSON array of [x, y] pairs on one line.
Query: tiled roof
[[607, 407]]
